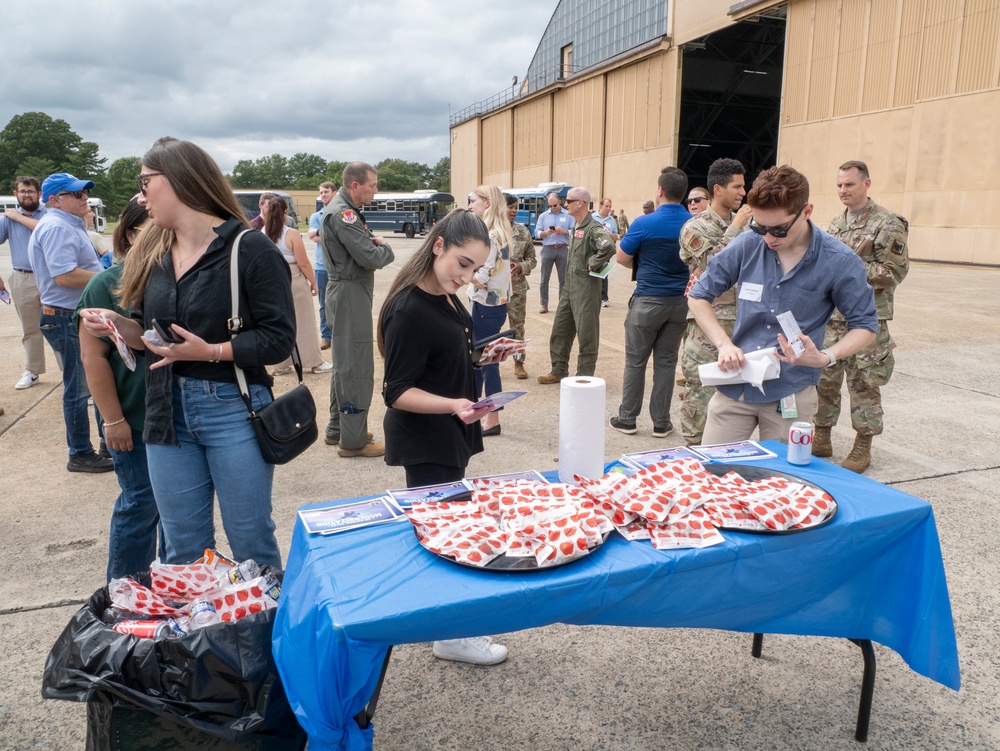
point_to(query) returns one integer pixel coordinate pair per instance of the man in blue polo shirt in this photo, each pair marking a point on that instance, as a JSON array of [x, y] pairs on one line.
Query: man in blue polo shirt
[[657, 312], [787, 264], [16, 226], [326, 191], [64, 260], [553, 228]]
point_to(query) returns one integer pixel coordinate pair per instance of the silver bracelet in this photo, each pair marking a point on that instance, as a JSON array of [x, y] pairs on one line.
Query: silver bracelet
[[833, 357], [112, 424]]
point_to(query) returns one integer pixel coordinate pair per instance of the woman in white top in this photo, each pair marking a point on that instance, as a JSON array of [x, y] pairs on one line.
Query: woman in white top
[[490, 288], [289, 242]]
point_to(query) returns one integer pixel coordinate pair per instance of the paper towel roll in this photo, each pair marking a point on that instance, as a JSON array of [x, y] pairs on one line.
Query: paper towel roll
[[581, 427]]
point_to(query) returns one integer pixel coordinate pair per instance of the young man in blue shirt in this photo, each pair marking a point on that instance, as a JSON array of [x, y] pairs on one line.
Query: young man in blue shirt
[[657, 313], [787, 264]]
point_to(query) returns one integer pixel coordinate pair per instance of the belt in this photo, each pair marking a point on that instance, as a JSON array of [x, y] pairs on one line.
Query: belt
[[554, 245], [51, 310], [25, 271]]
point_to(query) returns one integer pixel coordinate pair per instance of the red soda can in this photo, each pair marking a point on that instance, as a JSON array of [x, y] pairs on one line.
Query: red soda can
[[800, 443], [148, 629]]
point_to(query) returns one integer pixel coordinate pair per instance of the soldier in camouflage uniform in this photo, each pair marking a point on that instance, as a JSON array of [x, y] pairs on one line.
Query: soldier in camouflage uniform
[[579, 312], [702, 238], [878, 236], [522, 261]]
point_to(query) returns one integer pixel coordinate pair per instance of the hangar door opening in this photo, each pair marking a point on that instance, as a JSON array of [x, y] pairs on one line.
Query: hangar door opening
[[731, 96]]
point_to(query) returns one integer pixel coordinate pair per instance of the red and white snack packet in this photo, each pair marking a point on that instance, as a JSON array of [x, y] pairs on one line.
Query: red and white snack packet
[[123, 349], [610, 494], [503, 345], [182, 582], [245, 598], [132, 596], [695, 530]]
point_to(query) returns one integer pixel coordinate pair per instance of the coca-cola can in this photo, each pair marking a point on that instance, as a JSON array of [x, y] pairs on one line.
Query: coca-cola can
[[147, 629], [800, 443]]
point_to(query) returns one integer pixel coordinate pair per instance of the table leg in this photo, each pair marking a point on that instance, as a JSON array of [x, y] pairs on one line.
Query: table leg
[[364, 717], [867, 689], [867, 682]]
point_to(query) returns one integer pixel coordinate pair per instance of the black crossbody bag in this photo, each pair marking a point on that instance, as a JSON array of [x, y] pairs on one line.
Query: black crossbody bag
[[287, 425]]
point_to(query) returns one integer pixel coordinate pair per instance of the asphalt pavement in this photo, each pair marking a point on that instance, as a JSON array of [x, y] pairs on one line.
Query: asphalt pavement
[[568, 687]]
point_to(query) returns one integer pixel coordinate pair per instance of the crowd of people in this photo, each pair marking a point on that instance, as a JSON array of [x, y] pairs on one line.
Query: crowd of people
[[174, 421]]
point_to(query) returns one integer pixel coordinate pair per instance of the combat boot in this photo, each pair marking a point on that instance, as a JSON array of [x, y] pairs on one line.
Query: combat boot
[[519, 371], [821, 441], [860, 456]]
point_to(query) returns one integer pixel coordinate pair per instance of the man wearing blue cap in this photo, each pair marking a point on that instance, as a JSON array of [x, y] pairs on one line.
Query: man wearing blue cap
[[64, 260]]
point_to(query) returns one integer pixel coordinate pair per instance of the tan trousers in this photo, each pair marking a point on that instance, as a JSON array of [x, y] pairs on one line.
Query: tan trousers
[[730, 420], [306, 329], [28, 302]]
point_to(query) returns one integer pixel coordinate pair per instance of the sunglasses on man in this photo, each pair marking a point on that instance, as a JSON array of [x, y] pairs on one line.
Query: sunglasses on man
[[74, 193], [778, 231]]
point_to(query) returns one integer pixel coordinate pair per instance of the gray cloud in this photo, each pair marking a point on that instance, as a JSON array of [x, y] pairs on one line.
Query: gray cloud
[[246, 79]]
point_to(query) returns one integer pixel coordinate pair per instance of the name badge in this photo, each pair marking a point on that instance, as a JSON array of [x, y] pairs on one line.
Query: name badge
[[751, 292]]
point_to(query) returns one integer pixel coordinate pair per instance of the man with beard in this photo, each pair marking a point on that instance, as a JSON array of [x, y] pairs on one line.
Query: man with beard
[[16, 226]]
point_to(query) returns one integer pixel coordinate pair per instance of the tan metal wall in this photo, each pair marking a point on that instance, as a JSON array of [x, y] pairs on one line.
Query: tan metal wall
[[912, 87], [498, 148], [533, 143], [466, 172]]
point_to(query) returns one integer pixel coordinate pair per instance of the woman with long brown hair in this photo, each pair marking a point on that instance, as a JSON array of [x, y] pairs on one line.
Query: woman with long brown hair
[[293, 250], [424, 335], [199, 442]]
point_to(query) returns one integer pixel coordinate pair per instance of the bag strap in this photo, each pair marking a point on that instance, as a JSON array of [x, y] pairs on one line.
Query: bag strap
[[235, 323]]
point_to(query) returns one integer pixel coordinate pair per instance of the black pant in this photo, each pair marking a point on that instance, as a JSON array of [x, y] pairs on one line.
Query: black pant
[[418, 475]]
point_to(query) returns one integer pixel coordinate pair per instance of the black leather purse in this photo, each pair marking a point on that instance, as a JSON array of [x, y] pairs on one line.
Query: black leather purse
[[287, 425]]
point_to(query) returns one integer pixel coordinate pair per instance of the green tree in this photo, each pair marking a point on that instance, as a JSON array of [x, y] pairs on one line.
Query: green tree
[[335, 172], [120, 184], [35, 166], [244, 175], [399, 174], [439, 176], [52, 143], [306, 165]]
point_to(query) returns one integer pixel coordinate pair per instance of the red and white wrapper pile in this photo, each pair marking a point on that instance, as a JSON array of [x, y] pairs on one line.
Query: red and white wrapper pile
[[175, 588], [680, 504], [240, 600], [127, 594], [182, 582], [553, 523]]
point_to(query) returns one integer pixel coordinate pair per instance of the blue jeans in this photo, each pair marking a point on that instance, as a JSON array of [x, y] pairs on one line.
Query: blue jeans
[[132, 539], [64, 338], [321, 280], [487, 320], [217, 456]]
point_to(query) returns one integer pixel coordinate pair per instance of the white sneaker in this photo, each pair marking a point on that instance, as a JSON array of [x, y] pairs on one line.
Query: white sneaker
[[479, 650], [324, 368], [27, 380]]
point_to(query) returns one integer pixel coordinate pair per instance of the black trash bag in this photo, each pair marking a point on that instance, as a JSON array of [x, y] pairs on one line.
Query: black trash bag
[[220, 680]]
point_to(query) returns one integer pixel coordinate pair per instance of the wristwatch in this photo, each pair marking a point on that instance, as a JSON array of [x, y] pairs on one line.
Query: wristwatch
[[833, 357]]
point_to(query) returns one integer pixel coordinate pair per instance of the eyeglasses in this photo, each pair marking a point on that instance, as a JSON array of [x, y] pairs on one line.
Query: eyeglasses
[[779, 231], [27, 192], [74, 193], [573, 200], [697, 199], [143, 180]]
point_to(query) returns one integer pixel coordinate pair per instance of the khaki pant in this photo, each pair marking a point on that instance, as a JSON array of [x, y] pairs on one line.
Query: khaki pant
[[28, 302], [306, 333], [730, 420]]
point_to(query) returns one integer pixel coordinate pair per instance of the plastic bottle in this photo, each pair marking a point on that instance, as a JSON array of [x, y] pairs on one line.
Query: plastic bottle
[[244, 572], [202, 614]]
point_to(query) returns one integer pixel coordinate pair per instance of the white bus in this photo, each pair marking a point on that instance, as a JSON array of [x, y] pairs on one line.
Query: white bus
[[96, 205]]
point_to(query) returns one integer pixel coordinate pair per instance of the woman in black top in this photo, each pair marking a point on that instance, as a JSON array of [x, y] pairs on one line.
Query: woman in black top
[[425, 336], [199, 442]]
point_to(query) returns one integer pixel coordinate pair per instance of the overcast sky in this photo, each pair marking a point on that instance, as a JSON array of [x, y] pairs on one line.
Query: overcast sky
[[247, 78]]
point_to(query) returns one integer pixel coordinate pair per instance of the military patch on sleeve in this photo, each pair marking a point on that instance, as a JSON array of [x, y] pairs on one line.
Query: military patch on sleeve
[[349, 216], [695, 242], [897, 247]]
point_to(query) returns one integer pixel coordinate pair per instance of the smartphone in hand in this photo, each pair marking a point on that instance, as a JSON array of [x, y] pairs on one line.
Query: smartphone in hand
[[162, 328]]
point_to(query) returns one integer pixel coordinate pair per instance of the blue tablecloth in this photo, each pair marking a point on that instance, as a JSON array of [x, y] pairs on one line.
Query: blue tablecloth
[[874, 572]]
